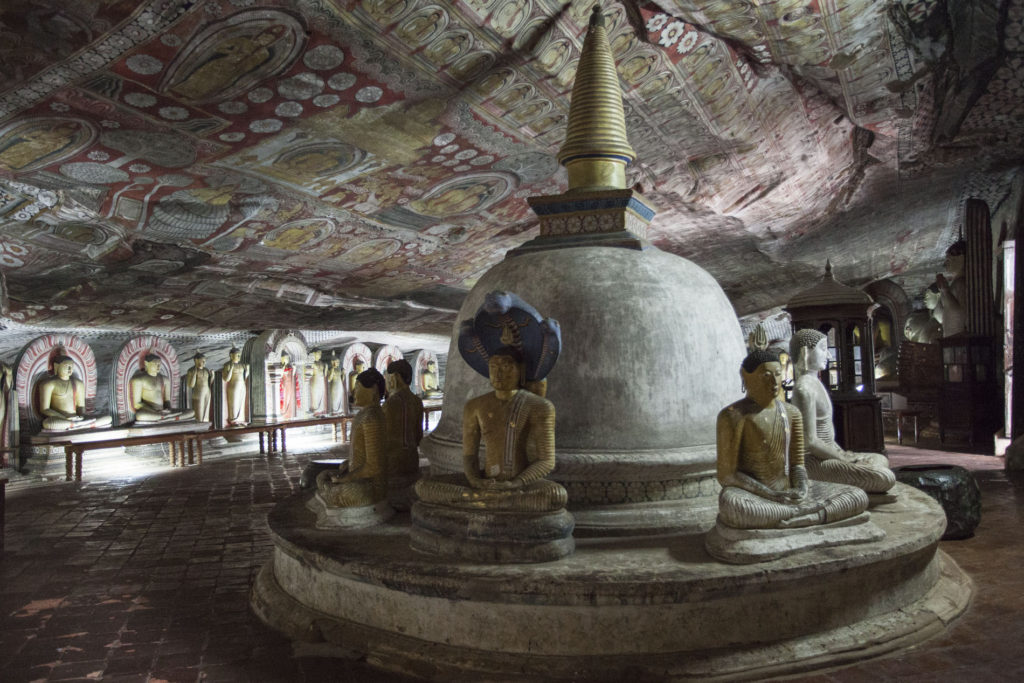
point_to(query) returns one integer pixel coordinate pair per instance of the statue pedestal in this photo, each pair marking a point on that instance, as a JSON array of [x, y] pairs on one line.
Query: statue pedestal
[[359, 517], [648, 608], [401, 494], [491, 537], [745, 546]]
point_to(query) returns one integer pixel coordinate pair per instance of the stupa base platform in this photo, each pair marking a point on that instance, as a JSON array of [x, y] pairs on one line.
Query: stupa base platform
[[356, 517], [642, 608], [491, 537], [746, 546]]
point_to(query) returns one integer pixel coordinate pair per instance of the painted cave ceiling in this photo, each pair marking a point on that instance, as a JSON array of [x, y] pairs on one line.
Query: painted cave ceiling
[[181, 165]]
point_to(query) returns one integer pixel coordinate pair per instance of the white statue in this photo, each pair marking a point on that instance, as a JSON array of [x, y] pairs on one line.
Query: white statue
[[151, 394], [62, 400], [825, 460], [200, 381], [235, 374]]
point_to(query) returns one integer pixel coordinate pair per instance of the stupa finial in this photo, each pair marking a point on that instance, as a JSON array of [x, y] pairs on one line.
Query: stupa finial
[[828, 269], [596, 149]]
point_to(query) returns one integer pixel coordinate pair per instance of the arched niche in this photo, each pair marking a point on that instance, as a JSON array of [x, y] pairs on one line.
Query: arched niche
[[348, 360], [263, 353], [129, 361], [35, 363], [419, 360], [384, 355]]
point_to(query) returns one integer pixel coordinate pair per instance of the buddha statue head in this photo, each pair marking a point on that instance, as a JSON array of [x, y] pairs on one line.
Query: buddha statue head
[[955, 256], [762, 376], [315, 355], [235, 355], [63, 366], [358, 365], [369, 388], [285, 359], [399, 375], [506, 368], [810, 350], [152, 364], [199, 360]]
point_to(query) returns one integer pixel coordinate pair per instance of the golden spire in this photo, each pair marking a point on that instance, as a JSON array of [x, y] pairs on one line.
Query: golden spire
[[596, 149]]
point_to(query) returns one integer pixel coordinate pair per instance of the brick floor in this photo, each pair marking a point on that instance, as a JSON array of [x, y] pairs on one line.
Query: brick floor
[[148, 579]]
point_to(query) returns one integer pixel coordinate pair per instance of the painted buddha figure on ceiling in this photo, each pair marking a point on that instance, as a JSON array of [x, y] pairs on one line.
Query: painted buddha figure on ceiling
[[62, 400], [151, 394], [200, 381], [760, 442], [517, 428], [826, 461], [363, 478]]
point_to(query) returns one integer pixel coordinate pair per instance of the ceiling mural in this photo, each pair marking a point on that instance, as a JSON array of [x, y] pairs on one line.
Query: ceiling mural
[[246, 164]]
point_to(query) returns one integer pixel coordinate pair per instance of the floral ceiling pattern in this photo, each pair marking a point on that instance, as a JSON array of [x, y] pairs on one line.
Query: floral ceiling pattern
[[177, 165]]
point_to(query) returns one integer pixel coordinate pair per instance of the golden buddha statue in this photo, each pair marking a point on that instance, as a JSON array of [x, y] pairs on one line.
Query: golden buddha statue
[[761, 460], [403, 413], [428, 381], [62, 400], [358, 366], [235, 374], [317, 383], [200, 381], [826, 461], [518, 431], [151, 394], [362, 479]]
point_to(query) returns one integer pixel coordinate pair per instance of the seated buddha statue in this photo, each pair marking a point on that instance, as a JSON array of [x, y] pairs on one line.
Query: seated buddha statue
[[826, 461], [363, 478], [760, 442], [62, 400], [151, 394], [518, 431], [358, 366], [403, 413], [428, 380]]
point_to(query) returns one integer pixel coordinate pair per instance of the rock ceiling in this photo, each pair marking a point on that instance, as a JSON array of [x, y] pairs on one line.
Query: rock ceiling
[[191, 166]]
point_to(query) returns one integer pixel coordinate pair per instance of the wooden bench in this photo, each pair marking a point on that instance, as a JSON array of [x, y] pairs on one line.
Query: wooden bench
[[191, 442], [270, 432]]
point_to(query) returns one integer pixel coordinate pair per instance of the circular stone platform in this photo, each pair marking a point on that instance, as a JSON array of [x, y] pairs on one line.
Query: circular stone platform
[[640, 608]]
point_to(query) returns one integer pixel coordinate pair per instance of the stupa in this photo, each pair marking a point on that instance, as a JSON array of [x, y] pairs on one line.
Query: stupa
[[651, 341], [651, 352]]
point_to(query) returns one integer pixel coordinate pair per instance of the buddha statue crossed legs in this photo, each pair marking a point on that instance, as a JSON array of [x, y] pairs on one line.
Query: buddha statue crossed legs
[[363, 479], [826, 461], [517, 428], [761, 460], [151, 395], [62, 400], [501, 508]]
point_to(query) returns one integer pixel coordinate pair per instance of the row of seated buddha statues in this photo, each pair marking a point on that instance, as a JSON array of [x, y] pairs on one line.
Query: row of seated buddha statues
[[384, 462], [787, 485]]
